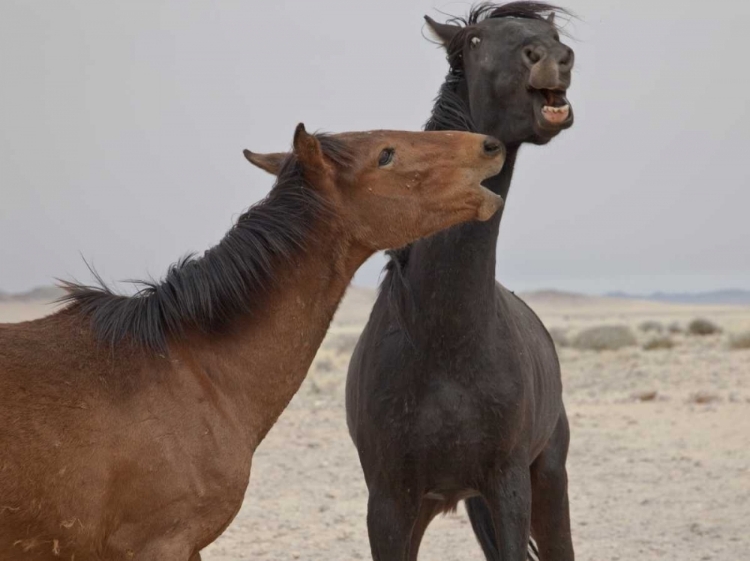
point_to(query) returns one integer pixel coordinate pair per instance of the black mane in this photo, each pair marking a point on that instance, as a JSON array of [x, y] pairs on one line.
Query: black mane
[[448, 114], [230, 279], [485, 11]]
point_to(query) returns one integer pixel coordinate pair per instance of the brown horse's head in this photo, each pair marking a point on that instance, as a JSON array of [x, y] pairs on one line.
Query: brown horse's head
[[393, 187], [513, 68]]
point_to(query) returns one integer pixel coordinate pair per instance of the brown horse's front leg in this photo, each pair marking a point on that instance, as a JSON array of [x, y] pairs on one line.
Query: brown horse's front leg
[[196, 556], [509, 500]]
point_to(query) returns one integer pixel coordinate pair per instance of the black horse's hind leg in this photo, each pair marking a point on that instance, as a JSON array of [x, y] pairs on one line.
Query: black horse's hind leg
[[483, 526], [391, 516], [550, 515], [484, 530], [428, 510], [508, 504]]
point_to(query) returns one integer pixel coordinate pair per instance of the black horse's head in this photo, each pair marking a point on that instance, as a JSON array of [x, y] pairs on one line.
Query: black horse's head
[[514, 70]]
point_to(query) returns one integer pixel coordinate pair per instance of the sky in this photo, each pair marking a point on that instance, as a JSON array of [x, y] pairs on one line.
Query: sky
[[123, 124]]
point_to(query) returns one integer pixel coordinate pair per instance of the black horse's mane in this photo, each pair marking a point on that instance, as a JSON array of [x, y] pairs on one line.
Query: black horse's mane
[[449, 112], [232, 278], [485, 11]]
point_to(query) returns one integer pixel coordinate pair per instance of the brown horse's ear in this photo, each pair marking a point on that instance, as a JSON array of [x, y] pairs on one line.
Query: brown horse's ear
[[443, 32], [267, 162], [551, 19], [308, 151]]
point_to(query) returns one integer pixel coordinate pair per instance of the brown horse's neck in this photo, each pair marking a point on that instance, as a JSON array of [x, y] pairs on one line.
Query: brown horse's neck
[[261, 363]]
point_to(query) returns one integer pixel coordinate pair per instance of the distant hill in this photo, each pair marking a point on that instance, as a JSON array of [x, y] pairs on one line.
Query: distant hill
[[366, 296], [735, 297], [40, 294], [556, 297]]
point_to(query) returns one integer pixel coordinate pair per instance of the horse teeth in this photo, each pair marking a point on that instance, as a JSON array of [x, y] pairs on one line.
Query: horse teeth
[[556, 115], [550, 109]]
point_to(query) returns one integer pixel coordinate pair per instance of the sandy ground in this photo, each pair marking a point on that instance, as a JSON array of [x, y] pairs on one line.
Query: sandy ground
[[666, 478]]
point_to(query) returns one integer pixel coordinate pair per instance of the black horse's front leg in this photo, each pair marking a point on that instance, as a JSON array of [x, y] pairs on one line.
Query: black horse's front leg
[[550, 513], [391, 515], [508, 498]]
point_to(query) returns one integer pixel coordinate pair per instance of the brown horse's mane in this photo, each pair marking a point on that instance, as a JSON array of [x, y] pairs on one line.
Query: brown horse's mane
[[230, 279]]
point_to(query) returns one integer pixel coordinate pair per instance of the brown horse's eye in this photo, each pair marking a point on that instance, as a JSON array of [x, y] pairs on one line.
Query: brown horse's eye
[[386, 157]]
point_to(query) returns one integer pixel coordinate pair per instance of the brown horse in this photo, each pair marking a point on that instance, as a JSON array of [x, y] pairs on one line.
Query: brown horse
[[128, 424]]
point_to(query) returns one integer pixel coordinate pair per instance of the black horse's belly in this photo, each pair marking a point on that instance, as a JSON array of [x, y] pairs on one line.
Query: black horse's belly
[[537, 364]]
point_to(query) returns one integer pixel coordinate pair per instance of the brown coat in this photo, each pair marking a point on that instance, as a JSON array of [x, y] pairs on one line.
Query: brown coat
[[116, 449]]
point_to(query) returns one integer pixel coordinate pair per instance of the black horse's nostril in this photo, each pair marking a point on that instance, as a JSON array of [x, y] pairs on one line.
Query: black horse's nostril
[[492, 146]]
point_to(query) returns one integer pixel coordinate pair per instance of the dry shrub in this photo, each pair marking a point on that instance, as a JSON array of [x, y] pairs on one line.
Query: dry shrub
[[645, 395], [703, 327], [658, 343], [344, 343], [703, 398], [675, 328], [559, 336], [325, 365], [605, 338], [740, 342], [649, 326]]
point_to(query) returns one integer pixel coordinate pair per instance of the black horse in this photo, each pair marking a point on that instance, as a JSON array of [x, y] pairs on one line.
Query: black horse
[[454, 389]]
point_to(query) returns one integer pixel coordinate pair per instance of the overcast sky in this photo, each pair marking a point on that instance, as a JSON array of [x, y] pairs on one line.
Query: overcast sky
[[122, 126]]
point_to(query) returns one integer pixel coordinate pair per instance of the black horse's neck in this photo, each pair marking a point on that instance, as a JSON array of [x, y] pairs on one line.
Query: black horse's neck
[[449, 278], [500, 184], [452, 274]]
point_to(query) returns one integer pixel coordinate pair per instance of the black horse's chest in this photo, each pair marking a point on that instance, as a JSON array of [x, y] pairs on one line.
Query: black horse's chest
[[457, 417]]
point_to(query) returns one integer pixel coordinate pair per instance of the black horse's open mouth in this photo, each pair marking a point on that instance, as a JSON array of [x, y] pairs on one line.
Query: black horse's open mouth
[[552, 109]]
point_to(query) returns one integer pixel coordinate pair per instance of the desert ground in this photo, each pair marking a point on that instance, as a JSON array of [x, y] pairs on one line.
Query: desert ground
[[659, 464]]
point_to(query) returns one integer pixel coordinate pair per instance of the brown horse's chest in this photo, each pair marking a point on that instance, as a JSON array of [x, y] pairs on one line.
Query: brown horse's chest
[[189, 482], [130, 492]]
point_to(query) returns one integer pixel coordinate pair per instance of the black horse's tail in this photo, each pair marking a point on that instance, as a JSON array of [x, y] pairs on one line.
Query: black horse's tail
[[484, 530]]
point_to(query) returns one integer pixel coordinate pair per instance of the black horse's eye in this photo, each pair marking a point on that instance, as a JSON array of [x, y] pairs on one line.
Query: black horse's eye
[[475, 41], [386, 157]]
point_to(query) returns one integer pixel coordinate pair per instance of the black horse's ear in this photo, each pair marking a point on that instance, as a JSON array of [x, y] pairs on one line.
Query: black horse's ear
[[443, 32], [267, 162], [551, 18]]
